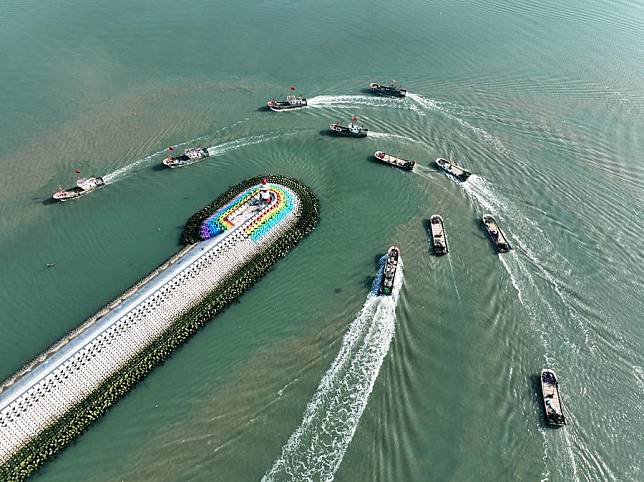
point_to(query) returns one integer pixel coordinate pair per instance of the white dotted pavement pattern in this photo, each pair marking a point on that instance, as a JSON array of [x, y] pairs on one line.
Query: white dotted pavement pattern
[[65, 377]]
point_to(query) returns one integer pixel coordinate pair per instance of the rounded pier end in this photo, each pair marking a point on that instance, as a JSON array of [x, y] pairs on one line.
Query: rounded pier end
[[230, 244]]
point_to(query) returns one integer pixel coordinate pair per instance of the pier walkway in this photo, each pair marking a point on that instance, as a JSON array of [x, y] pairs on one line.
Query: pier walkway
[[67, 373]]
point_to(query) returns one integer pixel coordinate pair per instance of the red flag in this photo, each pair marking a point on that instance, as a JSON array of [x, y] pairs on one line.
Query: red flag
[[292, 87], [264, 181], [171, 148], [77, 171], [354, 118]]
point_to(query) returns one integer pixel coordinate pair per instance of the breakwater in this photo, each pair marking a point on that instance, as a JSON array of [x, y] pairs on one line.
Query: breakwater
[[55, 398]]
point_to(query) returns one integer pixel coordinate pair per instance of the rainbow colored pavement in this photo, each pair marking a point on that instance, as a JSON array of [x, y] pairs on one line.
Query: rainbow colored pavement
[[280, 206]]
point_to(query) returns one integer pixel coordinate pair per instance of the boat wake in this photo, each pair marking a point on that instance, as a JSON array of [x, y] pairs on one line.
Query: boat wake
[[388, 136], [451, 268], [354, 100], [413, 102], [121, 172], [213, 151], [221, 149], [481, 191], [426, 171], [316, 449], [423, 104], [527, 273]]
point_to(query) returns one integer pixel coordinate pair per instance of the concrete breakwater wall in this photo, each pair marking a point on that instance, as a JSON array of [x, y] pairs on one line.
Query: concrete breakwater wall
[[28, 367], [47, 405]]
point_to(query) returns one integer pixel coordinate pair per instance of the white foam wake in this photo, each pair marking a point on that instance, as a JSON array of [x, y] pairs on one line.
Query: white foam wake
[[122, 171], [220, 149], [480, 190], [425, 103], [355, 100], [413, 102], [316, 449], [389, 136]]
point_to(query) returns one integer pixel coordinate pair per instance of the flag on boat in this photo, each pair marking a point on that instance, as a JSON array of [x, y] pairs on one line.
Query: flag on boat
[[354, 118], [292, 87], [171, 148], [77, 171]]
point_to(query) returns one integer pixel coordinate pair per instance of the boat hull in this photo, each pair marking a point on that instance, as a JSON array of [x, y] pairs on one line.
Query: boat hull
[[174, 162], [343, 131], [552, 405], [438, 234], [496, 235], [198, 154], [389, 272], [386, 90], [398, 162], [281, 106], [76, 192], [453, 170]]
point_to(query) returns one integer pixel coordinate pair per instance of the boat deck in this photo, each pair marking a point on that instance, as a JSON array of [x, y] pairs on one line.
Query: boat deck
[[551, 393]]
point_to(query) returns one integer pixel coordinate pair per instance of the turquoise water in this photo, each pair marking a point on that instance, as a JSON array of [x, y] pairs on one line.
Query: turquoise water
[[543, 102]]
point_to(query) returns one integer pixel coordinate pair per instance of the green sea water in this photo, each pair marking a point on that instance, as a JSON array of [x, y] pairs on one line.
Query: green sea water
[[543, 102]]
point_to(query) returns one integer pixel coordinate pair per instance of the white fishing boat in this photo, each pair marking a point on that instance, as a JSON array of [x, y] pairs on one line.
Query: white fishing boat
[[83, 186], [293, 101], [190, 156], [352, 130]]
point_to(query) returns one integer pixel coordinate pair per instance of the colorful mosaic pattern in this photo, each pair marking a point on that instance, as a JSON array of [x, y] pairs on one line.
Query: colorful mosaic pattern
[[284, 204], [260, 225]]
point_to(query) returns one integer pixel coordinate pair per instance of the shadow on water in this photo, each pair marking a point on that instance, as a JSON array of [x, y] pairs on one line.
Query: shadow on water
[[372, 283], [427, 226], [367, 283], [372, 159], [264, 108], [47, 201], [159, 167], [327, 133]]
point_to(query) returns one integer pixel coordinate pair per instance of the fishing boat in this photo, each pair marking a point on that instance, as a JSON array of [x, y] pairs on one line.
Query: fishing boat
[[83, 186], [392, 89], [190, 156], [551, 398], [456, 171], [498, 237], [389, 271], [293, 101], [352, 130], [395, 161], [439, 238]]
